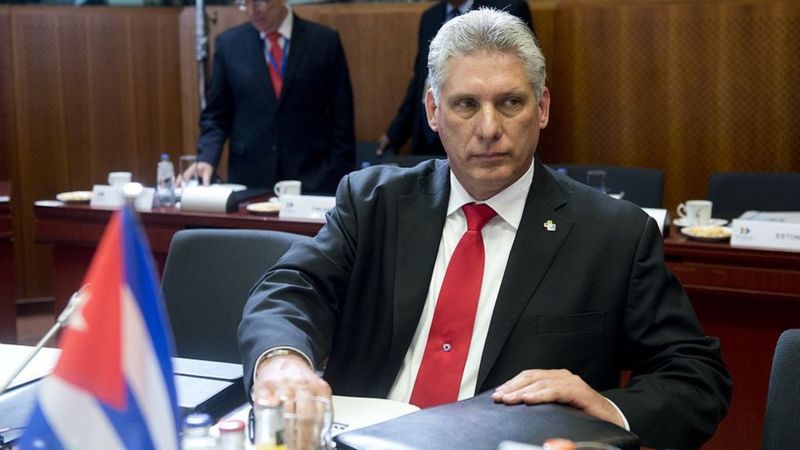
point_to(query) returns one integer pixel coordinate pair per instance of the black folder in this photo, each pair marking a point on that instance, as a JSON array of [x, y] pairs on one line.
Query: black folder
[[480, 423]]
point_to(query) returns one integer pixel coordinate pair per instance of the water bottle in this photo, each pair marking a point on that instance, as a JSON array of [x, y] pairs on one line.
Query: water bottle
[[197, 433], [231, 435], [165, 182]]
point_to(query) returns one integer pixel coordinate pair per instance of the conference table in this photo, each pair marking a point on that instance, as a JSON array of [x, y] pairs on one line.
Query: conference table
[[8, 307], [746, 297]]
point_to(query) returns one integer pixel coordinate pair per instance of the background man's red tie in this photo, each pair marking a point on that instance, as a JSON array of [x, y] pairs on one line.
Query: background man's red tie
[[439, 376], [276, 62]]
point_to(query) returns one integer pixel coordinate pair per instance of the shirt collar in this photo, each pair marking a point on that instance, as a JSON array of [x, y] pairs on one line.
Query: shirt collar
[[508, 203], [285, 30], [463, 9]]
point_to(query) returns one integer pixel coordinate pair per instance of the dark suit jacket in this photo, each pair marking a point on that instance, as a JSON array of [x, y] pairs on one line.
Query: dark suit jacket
[[307, 135], [411, 121], [593, 297]]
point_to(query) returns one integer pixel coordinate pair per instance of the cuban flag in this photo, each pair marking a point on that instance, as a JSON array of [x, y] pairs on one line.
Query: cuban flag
[[113, 386]]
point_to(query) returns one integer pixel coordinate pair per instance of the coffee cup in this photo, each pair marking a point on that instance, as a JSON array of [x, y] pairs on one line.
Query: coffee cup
[[695, 212], [288, 187], [119, 179]]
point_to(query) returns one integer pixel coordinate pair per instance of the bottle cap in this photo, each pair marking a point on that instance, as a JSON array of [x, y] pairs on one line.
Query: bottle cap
[[559, 444], [232, 425], [197, 420], [164, 156]]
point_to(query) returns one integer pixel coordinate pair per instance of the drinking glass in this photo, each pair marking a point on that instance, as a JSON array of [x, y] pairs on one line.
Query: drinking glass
[[307, 423], [596, 179]]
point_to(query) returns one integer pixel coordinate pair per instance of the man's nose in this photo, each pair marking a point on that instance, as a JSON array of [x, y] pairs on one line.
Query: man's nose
[[488, 127]]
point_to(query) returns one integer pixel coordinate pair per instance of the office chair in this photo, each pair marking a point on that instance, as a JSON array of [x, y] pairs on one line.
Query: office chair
[[365, 154], [736, 192], [782, 420], [207, 278], [365, 157], [643, 187]]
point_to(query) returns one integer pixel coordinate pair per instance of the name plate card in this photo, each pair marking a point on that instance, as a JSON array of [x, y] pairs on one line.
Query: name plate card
[[305, 206], [773, 231], [104, 196], [112, 197]]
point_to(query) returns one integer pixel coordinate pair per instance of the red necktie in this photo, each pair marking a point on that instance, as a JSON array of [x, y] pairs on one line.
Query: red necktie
[[275, 62], [439, 376]]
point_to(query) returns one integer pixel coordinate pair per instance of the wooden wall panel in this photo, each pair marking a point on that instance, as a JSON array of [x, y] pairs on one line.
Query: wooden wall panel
[[688, 87], [97, 89], [6, 94]]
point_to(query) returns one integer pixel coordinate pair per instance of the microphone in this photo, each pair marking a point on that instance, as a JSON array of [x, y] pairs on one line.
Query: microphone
[[74, 303]]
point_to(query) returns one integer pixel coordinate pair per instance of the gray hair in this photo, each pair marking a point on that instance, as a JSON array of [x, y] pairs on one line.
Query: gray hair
[[486, 30]]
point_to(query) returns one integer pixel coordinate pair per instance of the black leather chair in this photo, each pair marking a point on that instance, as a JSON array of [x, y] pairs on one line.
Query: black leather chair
[[782, 420], [642, 186], [365, 156], [207, 278], [736, 192]]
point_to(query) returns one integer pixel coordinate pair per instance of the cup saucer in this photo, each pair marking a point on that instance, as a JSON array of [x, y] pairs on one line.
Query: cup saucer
[[683, 222]]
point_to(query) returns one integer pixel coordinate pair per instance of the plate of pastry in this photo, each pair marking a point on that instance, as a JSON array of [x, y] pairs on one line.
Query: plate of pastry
[[683, 222], [75, 197], [709, 233], [264, 208]]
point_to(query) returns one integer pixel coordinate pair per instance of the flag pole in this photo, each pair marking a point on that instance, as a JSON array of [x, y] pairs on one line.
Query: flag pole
[[74, 302]]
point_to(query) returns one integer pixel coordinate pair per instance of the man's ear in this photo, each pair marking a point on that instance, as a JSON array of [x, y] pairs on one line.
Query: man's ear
[[544, 109], [430, 110]]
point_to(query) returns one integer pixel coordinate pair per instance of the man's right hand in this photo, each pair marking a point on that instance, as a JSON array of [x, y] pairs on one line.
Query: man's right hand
[[383, 144], [204, 172], [287, 377]]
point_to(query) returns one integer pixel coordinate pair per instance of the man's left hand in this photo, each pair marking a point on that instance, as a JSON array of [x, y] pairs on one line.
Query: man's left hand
[[556, 386]]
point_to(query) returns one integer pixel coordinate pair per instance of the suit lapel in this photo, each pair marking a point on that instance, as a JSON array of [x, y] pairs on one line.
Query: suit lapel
[[422, 217], [255, 54], [532, 243]]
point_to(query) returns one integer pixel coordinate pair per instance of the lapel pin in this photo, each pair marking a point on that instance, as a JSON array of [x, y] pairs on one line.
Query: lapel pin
[[550, 225]]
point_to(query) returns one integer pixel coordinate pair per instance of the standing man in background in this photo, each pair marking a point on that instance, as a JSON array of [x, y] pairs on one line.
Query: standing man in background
[[281, 94], [411, 121]]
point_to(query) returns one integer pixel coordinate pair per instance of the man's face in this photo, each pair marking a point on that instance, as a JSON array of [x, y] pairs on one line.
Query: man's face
[[266, 15], [488, 120]]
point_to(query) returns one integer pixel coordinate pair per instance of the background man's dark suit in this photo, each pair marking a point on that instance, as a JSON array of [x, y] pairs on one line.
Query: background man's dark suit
[[593, 297], [411, 121], [308, 135]]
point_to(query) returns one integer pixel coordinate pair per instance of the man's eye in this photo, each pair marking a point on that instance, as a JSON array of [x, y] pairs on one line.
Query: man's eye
[[512, 102], [464, 103]]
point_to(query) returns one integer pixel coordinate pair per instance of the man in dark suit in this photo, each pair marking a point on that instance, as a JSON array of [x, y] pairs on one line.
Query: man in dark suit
[[411, 121], [572, 287], [286, 106]]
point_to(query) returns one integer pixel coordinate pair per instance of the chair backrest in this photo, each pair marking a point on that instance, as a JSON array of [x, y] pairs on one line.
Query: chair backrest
[[642, 186], [207, 279], [365, 154], [782, 420], [736, 192]]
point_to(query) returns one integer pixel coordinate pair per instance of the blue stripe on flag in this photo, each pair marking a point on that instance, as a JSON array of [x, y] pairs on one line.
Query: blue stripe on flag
[[141, 278], [129, 423], [39, 434]]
